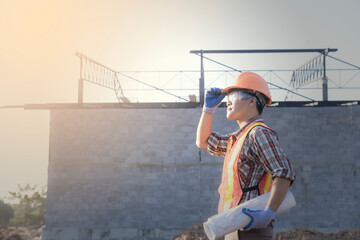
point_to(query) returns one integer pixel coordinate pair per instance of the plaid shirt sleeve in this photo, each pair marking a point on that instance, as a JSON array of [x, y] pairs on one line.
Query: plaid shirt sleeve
[[217, 144], [270, 155]]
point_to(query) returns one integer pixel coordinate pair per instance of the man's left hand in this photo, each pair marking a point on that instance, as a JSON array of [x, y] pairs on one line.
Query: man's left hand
[[259, 218]]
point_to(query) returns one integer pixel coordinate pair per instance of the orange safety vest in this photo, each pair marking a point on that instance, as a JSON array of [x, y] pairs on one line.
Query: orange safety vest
[[230, 190]]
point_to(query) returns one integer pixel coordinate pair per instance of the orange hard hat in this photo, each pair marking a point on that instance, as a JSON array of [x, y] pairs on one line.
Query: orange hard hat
[[251, 81]]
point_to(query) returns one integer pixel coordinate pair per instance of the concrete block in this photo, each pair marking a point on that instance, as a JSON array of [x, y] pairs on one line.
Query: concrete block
[[105, 187]]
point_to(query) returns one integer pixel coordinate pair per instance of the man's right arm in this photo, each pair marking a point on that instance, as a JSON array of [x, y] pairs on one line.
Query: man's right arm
[[213, 99], [204, 130]]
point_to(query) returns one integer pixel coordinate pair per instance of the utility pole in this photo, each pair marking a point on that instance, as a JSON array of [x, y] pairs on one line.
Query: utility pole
[[325, 80], [201, 80], [81, 83]]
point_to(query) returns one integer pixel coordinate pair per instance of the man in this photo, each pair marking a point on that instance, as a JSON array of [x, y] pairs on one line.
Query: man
[[254, 161]]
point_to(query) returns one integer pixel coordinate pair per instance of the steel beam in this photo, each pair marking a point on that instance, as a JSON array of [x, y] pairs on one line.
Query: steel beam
[[306, 50], [325, 81], [80, 84], [201, 80]]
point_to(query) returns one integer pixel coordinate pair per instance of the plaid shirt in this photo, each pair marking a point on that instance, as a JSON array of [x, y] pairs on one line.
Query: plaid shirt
[[261, 152]]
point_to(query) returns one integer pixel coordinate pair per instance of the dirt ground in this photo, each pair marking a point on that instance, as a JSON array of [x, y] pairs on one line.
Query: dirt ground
[[196, 231], [21, 233]]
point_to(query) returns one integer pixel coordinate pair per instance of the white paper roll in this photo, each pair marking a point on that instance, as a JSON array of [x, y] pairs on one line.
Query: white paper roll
[[233, 219]]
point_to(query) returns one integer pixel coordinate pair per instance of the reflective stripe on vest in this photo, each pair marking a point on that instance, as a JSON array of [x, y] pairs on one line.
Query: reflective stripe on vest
[[268, 181], [230, 190]]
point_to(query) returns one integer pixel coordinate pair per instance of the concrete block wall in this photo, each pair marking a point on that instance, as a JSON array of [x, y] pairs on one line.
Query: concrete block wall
[[137, 173]]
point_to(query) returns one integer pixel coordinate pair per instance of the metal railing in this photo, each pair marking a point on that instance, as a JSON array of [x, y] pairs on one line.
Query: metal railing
[[183, 86]]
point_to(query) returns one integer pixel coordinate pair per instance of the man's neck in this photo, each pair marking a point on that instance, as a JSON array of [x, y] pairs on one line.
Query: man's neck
[[244, 121]]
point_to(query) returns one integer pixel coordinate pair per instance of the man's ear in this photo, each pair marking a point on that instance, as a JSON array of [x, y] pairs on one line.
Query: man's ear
[[253, 101]]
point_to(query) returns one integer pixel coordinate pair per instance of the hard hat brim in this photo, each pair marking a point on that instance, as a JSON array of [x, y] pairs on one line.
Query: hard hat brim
[[227, 89]]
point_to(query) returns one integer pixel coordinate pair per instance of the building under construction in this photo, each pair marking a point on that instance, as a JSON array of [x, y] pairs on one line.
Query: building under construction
[[131, 169]]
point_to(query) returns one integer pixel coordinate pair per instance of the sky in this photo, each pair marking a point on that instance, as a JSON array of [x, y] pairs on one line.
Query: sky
[[39, 39]]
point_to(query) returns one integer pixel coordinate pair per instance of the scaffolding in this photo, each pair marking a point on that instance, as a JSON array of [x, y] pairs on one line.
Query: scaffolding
[[186, 81], [296, 77]]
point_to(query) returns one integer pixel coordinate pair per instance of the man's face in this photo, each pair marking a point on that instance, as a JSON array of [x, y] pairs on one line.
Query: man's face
[[237, 105]]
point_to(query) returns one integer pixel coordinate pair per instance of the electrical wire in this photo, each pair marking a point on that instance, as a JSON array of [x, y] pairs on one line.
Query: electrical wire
[[137, 80], [237, 70], [224, 65], [350, 64]]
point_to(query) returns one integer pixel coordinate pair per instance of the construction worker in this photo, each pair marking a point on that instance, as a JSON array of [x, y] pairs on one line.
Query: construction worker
[[254, 161]]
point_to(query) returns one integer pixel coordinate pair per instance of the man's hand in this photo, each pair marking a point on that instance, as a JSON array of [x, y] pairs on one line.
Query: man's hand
[[259, 218], [213, 98]]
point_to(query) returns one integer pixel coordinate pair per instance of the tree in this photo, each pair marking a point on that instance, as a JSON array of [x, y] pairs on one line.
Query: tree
[[31, 207], [6, 213]]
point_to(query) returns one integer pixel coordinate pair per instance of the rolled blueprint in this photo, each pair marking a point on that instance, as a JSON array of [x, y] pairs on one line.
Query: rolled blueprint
[[233, 219]]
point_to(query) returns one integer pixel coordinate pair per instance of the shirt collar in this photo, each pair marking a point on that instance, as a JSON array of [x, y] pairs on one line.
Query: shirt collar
[[257, 118]]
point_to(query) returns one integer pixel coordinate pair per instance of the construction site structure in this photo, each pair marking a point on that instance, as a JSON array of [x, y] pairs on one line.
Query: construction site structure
[[315, 70]]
